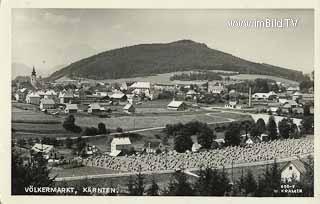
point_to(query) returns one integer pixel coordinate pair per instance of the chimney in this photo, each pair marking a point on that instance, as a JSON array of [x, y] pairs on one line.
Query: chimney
[[250, 97]]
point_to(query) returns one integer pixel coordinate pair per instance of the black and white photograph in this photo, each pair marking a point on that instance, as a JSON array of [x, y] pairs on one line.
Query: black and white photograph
[[162, 102]]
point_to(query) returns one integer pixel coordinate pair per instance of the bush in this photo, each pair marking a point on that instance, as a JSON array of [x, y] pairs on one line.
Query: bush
[[90, 131]]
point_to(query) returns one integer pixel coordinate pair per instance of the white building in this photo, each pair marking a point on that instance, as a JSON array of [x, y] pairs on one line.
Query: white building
[[33, 98], [216, 87], [119, 144], [71, 108], [47, 150], [47, 103], [293, 169], [177, 105], [264, 96]]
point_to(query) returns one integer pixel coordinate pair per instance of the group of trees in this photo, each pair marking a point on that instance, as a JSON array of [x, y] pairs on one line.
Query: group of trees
[[258, 86], [69, 124], [203, 75], [182, 135], [214, 182]]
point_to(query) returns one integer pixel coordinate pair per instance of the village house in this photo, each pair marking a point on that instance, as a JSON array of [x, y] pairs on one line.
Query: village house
[[264, 96], [71, 108], [129, 108], [292, 89], [118, 98], [120, 144], [47, 103], [21, 94], [66, 97], [90, 150], [196, 147], [41, 94], [192, 94], [293, 169], [95, 108], [216, 87], [152, 147], [177, 105], [48, 151], [297, 96], [33, 98], [51, 94]]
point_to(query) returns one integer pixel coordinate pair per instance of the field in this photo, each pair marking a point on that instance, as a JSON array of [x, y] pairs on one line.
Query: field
[[80, 171], [27, 121], [255, 76], [165, 78], [164, 178]]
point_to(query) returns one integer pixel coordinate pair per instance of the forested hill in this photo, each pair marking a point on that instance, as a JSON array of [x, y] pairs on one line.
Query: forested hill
[[149, 59]]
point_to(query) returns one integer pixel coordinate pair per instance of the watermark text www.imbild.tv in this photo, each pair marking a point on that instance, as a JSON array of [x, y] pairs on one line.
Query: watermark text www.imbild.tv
[[263, 23]]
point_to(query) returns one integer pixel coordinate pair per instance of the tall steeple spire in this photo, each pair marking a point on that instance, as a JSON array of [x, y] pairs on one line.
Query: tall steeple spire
[[33, 72]]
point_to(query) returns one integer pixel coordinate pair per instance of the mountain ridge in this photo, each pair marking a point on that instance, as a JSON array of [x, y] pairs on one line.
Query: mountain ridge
[[157, 58]]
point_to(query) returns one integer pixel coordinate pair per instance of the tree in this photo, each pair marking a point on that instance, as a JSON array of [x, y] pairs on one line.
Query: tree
[[205, 138], [307, 124], [69, 124], [232, 135], [203, 184], [180, 185], [250, 185], [102, 128], [32, 172], [139, 183], [153, 190], [90, 131], [21, 142], [308, 178], [261, 125], [272, 128], [182, 143], [69, 142], [130, 185], [30, 141], [286, 128]]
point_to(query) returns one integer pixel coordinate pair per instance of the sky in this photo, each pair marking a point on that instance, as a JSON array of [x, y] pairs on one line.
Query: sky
[[46, 38]]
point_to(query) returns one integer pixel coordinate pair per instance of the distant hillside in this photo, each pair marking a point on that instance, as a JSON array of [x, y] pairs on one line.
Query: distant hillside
[[148, 59]]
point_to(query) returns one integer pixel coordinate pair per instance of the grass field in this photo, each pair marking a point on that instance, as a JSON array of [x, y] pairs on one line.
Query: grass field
[[164, 178], [139, 122], [80, 171], [255, 76]]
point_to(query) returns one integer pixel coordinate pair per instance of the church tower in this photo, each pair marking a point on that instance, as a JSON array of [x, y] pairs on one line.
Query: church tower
[[33, 78]]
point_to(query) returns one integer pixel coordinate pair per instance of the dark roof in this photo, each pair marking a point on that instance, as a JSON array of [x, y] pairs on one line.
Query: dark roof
[[298, 164]]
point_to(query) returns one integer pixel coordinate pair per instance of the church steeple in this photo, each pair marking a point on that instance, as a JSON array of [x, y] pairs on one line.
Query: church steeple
[[33, 72]]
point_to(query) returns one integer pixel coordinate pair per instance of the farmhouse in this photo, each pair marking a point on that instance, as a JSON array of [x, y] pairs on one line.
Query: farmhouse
[[120, 144], [196, 147], [292, 89], [264, 96], [192, 94], [216, 87], [94, 108], [71, 108], [33, 98], [118, 97], [47, 150], [129, 108], [66, 97], [21, 94], [151, 147], [177, 105], [141, 86], [293, 169], [47, 103], [51, 94]]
